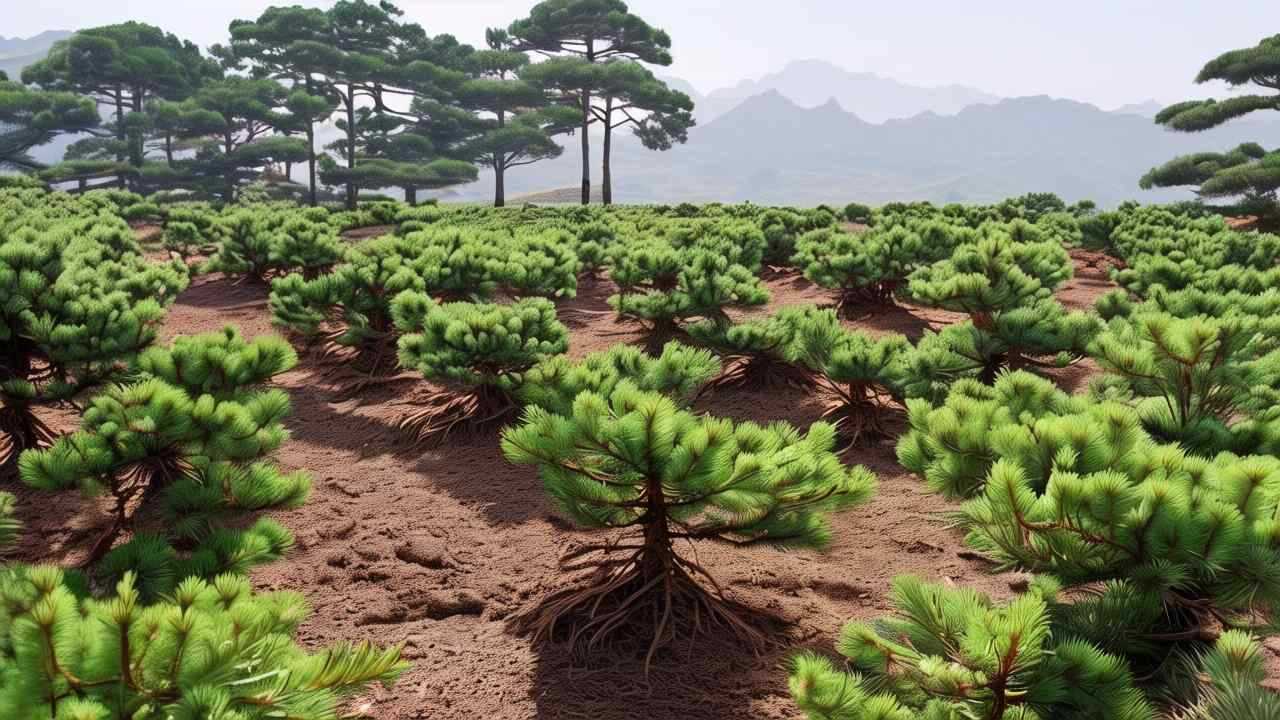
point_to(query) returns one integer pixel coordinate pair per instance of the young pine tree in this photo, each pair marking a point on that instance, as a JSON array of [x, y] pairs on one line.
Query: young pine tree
[[1196, 377], [482, 350], [954, 653], [870, 268], [665, 281], [210, 649], [768, 352], [862, 377], [636, 461], [187, 441], [77, 302], [1004, 281]]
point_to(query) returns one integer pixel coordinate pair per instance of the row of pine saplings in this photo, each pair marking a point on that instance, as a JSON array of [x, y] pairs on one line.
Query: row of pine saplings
[[1146, 508]]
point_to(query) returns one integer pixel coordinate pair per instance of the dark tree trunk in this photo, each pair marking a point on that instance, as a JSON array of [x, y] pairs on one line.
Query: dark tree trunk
[[120, 133], [411, 195], [586, 147], [351, 145], [228, 148], [500, 169], [499, 183], [311, 154], [586, 124], [606, 174]]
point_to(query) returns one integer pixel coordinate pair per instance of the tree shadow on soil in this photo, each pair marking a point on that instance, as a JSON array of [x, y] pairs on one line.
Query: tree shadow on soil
[[223, 293], [472, 469]]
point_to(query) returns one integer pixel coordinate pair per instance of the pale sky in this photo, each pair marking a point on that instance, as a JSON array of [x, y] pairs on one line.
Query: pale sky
[[1107, 52]]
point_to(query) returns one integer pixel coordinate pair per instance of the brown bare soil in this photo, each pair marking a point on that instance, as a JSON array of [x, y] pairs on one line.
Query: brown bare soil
[[436, 548]]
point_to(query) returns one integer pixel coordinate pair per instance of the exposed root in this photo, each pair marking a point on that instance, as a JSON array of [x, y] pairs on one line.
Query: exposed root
[[858, 411], [760, 371], [877, 296], [476, 410], [648, 598], [20, 430], [354, 368]]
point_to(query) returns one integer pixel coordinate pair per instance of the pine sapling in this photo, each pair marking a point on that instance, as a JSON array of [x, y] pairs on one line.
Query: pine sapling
[[768, 352], [954, 653], [861, 377], [636, 461], [480, 352]]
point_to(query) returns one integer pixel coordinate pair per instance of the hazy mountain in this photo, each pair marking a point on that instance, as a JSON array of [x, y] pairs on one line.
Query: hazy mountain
[[1147, 109], [809, 83], [17, 53], [771, 150]]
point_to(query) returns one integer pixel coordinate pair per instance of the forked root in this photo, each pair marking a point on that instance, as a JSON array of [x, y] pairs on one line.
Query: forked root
[[479, 409], [646, 600], [353, 369]]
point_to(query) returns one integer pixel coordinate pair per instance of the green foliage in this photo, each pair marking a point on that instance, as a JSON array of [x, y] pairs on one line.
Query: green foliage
[[862, 376], [679, 372], [857, 213], [257, 243], [954, 653], [211, 649], [695, 273], [870, 267], [1194, 377], [1249, 170], [191, 437], [768, 351], [77, 302], [477, 344], [635, 460]]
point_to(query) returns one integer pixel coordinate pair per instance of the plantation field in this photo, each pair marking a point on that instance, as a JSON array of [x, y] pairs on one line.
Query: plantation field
[[421, 529]]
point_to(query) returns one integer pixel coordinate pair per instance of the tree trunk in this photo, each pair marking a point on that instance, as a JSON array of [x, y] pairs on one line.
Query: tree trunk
[[656, 560], [499, 182], [586, 147], [228, 148], [311, 154], [606, 174], [351, 145], [120, 134], [500, 169], [411, 195], [586, 124]]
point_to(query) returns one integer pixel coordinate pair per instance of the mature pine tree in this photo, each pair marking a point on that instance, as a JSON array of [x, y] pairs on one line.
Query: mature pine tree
[[633, 97], [279, 44], [524, 121], [1249, 170], [634, 460], [583, 34], [30, 118], [122, 67]]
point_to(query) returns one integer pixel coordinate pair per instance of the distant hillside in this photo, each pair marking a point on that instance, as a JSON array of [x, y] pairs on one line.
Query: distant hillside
[[810, 83], [1147, 109], [771, 150], [17, 53]]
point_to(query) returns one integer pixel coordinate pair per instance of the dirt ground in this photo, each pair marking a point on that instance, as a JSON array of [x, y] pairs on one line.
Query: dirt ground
[[436, 548]]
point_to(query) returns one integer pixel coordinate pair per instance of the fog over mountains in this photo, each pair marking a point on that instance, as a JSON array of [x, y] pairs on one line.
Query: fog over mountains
[[813, 133]]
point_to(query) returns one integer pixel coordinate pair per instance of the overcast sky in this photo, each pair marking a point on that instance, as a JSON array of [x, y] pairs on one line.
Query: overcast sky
[[1108, 52]]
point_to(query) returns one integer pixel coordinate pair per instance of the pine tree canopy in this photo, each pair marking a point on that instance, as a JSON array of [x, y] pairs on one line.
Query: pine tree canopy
[[635, 460], [679, 372], [766, 352], [952, 653]]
